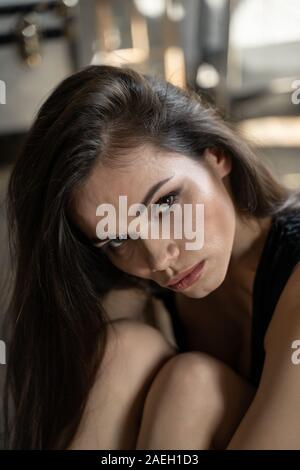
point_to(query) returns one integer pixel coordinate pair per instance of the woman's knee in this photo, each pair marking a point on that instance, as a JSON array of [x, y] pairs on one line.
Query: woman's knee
[[134, 346], [193, 370], [183, 391], [134, 354], [215, 384], [196, 386]]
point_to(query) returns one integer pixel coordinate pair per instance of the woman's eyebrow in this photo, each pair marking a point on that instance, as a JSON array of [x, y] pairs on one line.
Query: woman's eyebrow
[[150, 193], [153, 190]]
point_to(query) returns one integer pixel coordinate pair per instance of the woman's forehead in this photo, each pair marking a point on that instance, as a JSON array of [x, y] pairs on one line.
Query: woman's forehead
[[138, 181], [105, 185]]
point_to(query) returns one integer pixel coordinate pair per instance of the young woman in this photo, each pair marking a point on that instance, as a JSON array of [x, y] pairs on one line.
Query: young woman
[[78, 380]]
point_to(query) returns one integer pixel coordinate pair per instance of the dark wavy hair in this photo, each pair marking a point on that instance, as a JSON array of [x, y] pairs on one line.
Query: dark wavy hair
[[56, 321]]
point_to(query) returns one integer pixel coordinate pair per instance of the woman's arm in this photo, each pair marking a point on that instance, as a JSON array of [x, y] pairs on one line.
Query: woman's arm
[[273, 419]]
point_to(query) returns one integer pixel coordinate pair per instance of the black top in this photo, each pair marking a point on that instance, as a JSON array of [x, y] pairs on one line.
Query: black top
[[280, 254]]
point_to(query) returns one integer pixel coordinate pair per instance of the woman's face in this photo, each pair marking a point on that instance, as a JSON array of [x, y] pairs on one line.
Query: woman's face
[[193, 182]]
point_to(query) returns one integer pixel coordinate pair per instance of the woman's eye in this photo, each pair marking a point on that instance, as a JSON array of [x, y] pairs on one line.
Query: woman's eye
[[164, 202], [115, 243], [167, 201]]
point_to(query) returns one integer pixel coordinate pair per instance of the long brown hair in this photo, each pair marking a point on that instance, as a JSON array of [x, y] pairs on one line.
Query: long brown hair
[[56, 321]]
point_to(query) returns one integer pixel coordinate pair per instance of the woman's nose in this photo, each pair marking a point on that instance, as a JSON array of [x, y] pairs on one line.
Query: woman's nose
[[161, 253]]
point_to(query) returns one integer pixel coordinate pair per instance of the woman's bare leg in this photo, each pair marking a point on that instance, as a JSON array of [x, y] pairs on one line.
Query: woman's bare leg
[[194, 402], [135, 353]]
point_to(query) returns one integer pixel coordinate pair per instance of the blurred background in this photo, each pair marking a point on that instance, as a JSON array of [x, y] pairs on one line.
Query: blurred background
[[243, 55]]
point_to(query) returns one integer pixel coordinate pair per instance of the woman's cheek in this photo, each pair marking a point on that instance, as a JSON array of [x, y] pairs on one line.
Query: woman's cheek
[[124, 258]]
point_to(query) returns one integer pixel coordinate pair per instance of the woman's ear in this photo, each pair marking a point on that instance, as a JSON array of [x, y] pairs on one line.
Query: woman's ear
[[218, 160]]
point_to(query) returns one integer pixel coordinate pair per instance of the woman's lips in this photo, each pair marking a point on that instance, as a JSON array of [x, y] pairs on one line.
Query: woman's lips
[[190, 278]]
